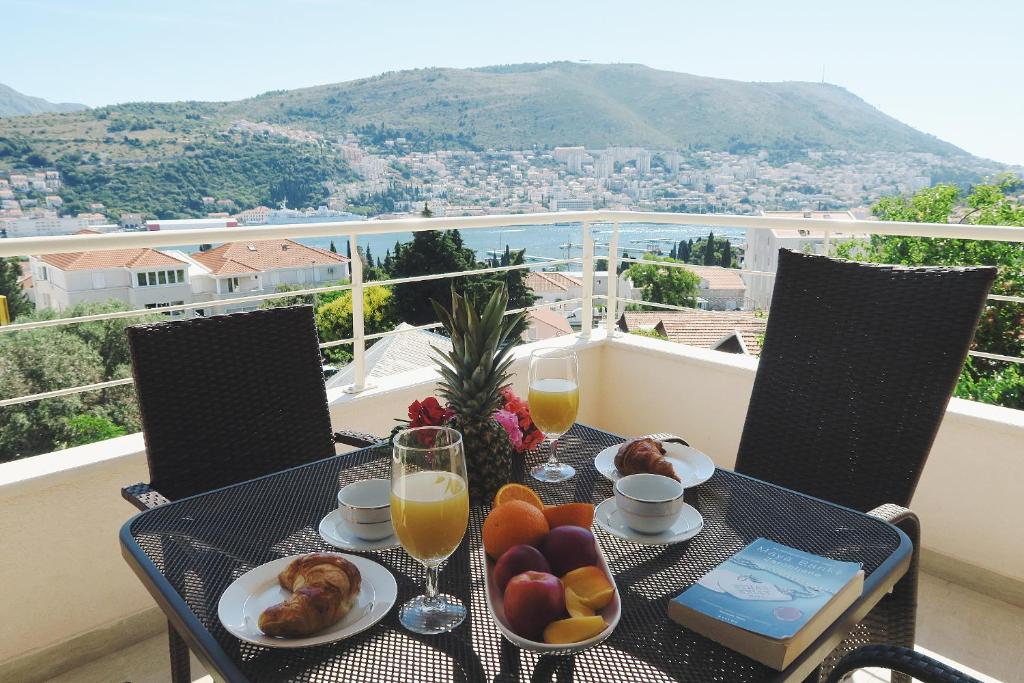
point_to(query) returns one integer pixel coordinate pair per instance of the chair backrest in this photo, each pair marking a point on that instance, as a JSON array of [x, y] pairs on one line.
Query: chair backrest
[[858, 363], [230, 397]]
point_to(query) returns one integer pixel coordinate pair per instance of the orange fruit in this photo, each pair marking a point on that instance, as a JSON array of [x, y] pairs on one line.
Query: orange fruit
[[510, 492], [570, 514], [513, 523]]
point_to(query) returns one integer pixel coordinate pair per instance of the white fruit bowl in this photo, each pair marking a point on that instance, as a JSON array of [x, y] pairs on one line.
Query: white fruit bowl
[[496, 606]]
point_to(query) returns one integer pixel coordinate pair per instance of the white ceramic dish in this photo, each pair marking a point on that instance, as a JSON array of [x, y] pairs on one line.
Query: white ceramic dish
[[245, 599], [335, 531], [495, 605], [691, 466], [366, 506], [687, 525]]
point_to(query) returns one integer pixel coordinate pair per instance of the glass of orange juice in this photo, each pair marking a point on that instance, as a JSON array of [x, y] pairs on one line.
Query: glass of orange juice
[[554, 401], [430, 512]]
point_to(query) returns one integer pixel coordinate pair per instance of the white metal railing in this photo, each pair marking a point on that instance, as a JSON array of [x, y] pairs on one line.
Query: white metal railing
[[827, 228]]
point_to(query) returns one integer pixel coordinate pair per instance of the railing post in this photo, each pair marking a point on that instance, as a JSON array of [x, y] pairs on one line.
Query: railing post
[[588, 281], [358, 335], [613, 279]]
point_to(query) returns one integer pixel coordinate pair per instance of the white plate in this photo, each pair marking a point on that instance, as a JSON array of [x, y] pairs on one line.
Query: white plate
[[495, 605], [691, 466], [245, 599], [688, 525], [334, 531]]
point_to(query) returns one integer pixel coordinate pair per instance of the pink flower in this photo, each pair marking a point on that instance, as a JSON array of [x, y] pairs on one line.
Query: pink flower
[[511, 425]]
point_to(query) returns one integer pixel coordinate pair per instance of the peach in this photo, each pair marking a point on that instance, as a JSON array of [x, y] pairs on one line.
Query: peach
[[532, 601], [569, 547], [590, 585], [574, 605], [516, 560], [573, 630]]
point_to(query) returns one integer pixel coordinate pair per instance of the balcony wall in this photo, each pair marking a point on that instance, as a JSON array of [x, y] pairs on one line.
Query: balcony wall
[[61, 511]]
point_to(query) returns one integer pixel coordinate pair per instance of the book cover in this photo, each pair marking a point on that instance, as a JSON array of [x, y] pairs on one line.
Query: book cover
[[769, 588]]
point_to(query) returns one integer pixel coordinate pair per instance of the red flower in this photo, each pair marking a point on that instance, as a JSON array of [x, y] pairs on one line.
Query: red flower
[[532, 436], [428, 413]]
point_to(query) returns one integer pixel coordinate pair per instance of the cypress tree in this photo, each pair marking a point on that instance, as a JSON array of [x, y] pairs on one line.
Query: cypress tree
[[348, 249], [709, 250], [681, 252], [672, 254], [334, 249], [369, 256], [726, 255]]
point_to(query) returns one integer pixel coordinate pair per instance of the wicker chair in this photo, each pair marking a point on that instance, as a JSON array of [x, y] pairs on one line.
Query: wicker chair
[[857, 367], [900, 659], [225, 399]]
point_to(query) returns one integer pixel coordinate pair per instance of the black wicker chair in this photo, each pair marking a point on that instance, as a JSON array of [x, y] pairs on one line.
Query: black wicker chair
[[900, 659], [225, 399], [857, 367]]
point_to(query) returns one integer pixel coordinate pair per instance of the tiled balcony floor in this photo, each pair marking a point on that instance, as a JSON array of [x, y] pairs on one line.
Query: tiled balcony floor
[[981, 635]]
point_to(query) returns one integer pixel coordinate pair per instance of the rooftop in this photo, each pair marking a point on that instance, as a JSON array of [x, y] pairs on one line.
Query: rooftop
[[705, 329], [551, 282], [254, 257]]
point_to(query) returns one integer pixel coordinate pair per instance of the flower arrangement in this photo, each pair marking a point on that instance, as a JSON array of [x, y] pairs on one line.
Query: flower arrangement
[[513, 416]]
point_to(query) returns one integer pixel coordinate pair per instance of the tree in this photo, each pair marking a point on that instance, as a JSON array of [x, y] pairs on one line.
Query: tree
[[709, 250], [348, 250], [665, 285], [726, 254], [88, 428], [430, 252], [17, 303], [334, 319], [334, 249], [426, 212], [673, 253], [369, 257], [999, 330]]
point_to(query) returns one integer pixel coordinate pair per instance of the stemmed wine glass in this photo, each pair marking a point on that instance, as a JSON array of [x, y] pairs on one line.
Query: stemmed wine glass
[[554, 401], [430, 512]]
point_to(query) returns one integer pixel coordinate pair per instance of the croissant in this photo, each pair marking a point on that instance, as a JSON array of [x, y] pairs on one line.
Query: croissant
[[643, 455], [324, 589]]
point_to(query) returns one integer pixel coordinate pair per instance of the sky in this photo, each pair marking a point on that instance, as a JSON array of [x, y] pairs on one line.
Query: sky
[[951, 69]]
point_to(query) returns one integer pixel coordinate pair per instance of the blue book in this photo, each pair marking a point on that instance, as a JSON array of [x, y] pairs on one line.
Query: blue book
[[769, 601]]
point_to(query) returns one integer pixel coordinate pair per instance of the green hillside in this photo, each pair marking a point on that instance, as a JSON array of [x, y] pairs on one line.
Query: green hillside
[[163, 158], [595, 105], [13, 103]]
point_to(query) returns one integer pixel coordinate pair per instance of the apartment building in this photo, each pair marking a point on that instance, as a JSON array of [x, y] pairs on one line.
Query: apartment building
[[240, 269], [141, 278]]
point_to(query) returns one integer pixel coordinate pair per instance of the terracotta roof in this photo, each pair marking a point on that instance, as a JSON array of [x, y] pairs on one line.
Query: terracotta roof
[[699, 328], [249, 257], [718, 278], [548, 318], [117, 258], [550, 282]]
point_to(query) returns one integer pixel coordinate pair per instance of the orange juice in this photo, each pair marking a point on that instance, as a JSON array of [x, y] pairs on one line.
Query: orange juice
[[553, 404], [430, 512]]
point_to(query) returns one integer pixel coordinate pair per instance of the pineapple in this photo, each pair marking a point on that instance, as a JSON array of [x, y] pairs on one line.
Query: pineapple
[[473, 375]]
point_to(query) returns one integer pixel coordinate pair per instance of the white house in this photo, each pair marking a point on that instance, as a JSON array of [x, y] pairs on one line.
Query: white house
[[762, 252], [239, 269], [142, 278]]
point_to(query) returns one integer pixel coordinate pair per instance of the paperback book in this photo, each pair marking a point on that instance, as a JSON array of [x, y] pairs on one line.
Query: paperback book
[[769, 601]]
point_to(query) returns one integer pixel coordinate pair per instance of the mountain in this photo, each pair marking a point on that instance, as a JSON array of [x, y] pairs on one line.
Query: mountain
[[13, 103], [596, 105]]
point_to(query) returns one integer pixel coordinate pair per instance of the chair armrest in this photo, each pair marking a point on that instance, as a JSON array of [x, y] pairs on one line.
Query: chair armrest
[[896, 515], [357, 439], [902, 659], [143, 496]]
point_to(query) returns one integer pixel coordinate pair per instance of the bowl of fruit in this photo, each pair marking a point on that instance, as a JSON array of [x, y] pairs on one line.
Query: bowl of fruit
[[548, 585]]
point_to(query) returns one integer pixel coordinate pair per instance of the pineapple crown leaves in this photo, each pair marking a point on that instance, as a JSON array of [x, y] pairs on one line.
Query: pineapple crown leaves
[[477, 368]]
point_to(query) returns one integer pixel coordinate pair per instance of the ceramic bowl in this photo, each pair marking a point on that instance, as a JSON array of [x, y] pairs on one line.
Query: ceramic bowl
[[649, 503]]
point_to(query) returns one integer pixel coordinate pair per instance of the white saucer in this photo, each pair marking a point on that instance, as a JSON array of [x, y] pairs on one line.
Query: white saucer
[[334, 530], [691, 466], [688, 525], [245, 599]]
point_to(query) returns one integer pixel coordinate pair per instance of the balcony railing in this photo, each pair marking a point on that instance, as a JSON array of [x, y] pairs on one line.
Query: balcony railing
[[829, 228]]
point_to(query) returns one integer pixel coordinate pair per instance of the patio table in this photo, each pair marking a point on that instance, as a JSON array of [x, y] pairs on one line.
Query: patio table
[[187, 552]]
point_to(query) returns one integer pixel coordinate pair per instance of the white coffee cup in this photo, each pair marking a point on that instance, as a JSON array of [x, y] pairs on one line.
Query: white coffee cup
[[649, 503], [365, 507]]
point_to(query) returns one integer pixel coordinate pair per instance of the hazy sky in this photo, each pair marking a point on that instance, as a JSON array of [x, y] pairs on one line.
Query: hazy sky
[[948, 68]]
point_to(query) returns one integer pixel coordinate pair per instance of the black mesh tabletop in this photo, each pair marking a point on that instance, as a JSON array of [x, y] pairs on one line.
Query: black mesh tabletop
[[189, 551]]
